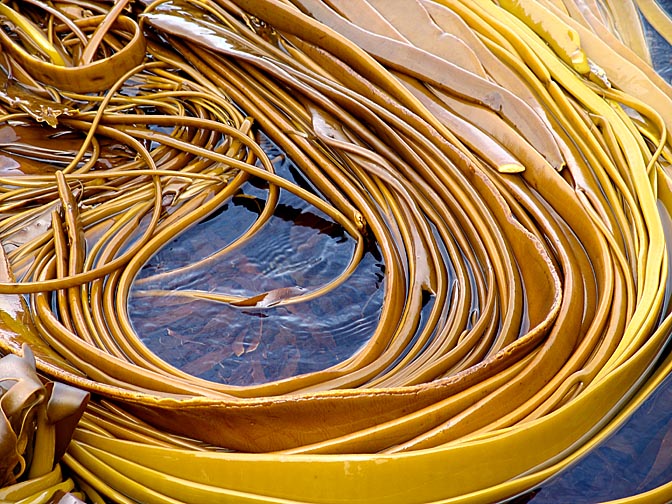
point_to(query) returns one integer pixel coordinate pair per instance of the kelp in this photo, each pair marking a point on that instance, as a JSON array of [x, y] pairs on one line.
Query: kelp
[[510, 160], [38, 420]]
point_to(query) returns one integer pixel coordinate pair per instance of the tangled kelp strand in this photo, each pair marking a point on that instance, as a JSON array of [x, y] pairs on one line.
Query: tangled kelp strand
[[525, 299], [95, 76]]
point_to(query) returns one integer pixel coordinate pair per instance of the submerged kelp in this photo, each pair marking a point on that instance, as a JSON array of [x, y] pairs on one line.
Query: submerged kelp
[[510, 160]]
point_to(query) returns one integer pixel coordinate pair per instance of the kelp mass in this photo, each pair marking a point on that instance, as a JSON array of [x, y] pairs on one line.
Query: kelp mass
[[509, 162]]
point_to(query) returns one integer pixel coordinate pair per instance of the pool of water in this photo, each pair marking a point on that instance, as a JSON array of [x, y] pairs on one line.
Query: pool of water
[[298, 250]]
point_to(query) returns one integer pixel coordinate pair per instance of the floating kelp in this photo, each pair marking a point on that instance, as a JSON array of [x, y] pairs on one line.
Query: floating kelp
[[510, 160]]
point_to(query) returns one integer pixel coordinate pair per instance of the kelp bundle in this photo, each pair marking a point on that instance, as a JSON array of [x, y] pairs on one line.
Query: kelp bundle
[[510, 160], [37, 423]]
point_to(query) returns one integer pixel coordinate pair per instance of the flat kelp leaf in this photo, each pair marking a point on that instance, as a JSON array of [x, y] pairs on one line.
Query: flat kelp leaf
[[9, 456], [21, 392], [65, 407]]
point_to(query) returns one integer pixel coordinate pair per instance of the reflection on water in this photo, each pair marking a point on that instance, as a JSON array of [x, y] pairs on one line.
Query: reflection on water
[[299, 248]]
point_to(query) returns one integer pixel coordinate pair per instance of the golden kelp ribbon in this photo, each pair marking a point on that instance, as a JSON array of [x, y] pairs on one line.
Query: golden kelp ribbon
[[524, 191]]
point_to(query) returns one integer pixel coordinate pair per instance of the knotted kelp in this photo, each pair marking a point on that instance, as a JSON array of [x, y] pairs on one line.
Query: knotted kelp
[[510, 162]]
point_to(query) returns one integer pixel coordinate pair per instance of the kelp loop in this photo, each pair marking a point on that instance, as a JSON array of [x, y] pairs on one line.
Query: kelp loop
[[510, 161]]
